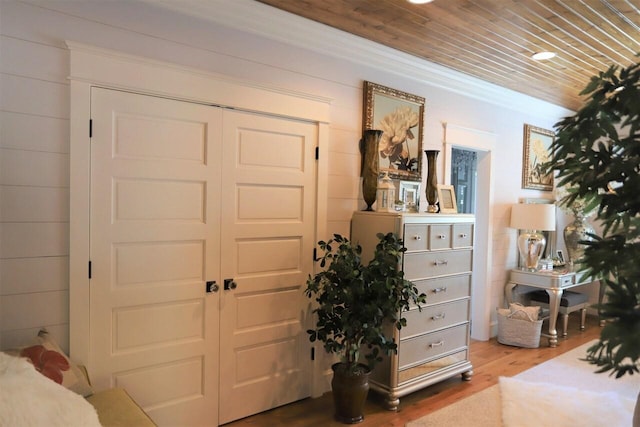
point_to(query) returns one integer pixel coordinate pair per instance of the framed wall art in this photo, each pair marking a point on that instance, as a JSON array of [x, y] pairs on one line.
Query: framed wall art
[[447, 199], [400, 116], [536, 152]]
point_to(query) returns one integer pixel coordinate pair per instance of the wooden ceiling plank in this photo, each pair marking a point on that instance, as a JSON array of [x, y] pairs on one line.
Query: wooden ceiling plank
[[612, 31], [493, 39], [519, 56], [578, 31], [620, 29], [490, 75], [486, 45], [541, 28]]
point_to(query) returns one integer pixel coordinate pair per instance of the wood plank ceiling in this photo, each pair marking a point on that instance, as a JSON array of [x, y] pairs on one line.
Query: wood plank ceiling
[[494, 39]]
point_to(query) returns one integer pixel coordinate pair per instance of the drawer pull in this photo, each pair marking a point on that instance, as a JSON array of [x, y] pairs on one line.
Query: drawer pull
[[438, 316], [436, 344], [417, 237], [441, 262], [463, 235], [438, 290], [442, 236]]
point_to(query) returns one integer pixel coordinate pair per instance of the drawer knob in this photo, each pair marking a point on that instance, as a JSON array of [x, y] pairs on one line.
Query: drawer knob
[[438, 316], [436, 344], [441, 262], [442, 236], [417, 237], [438, 290], [463, 235]]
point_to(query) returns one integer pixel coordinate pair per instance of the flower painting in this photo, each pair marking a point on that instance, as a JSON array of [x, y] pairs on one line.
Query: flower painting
[[537, 151], [400, 117]]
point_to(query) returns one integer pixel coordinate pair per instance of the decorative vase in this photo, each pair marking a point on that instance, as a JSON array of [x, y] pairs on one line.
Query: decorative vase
[[432, 180], [349, 393], [578, 230], [370, 165]]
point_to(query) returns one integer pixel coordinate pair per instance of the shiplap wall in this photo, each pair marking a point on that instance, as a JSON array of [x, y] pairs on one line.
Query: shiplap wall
[[34, 135]]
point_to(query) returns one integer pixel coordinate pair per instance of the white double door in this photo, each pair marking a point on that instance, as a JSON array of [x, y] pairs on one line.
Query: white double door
[[184, 195]]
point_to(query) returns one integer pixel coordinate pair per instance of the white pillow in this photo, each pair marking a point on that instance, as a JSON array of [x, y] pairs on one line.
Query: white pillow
[[519, 311], [29, 399]]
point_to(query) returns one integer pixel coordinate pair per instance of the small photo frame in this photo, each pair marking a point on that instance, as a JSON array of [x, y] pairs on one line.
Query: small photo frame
[[410, 195], [447, 199]]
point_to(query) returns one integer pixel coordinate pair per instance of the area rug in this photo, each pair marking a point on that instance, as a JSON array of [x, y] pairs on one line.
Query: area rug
[[557, 392]]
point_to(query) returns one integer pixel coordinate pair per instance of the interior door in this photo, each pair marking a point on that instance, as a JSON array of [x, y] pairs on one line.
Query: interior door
[[268, 216], [155, 242]]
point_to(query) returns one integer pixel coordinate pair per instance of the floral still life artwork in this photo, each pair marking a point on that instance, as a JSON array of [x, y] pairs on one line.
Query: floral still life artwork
[[537, 151], [400, 116]]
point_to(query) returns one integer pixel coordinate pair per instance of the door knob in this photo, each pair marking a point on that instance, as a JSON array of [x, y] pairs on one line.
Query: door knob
[[229, 284], [211, 287]]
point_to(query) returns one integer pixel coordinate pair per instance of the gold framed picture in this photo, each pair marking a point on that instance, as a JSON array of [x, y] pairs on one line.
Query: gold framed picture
[[400, 116], [536, 152], [447, 199]]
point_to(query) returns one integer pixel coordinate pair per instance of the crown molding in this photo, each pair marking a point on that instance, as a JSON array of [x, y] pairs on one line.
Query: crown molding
[[266, 21]]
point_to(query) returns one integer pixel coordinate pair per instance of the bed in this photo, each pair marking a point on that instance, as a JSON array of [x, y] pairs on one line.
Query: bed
[[40, 385]]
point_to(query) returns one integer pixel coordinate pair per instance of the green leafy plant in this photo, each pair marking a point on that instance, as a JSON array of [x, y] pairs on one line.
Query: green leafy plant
[[357, 302], [597, 153]]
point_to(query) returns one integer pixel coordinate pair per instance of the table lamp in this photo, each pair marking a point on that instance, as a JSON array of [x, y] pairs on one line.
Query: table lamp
[[531, 218]]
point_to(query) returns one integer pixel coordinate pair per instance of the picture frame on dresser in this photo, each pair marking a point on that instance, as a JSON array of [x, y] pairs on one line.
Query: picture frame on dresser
[[447, 199], [400, 116], [409, 194]]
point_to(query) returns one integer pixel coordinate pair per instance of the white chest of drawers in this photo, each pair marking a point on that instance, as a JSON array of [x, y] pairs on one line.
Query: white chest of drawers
[[434, 345]]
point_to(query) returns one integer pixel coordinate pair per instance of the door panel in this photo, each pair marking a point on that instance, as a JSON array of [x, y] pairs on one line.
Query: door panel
[[155, 232], [268, 216], [182, 194]]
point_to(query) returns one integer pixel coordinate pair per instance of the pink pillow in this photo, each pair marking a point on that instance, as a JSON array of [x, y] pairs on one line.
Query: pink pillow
[[49, 363], [49, 359]]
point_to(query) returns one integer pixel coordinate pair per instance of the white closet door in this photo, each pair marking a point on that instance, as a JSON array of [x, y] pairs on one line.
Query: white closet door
[[155, 231], [268, 216]]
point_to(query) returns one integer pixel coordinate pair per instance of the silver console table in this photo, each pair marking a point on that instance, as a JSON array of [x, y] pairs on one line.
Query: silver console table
[[552, 281]]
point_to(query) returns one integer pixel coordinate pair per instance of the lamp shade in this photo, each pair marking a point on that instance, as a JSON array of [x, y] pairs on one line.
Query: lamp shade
[[533, 216]]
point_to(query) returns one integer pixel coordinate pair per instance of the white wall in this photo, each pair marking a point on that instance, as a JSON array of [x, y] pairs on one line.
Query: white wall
[[34, 134]]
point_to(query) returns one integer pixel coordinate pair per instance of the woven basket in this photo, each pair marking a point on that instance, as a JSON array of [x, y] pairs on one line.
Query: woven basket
[[516, 331]]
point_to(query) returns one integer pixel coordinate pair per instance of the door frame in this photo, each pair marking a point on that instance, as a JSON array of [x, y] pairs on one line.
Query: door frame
[[484, 143], [91, 66]]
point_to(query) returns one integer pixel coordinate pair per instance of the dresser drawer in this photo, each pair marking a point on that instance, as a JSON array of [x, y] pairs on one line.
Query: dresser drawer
[[431, 345], [462, 235], [432, 366], [435, 317], [439, 237], [423, 265], [416, 237], [445, 288]]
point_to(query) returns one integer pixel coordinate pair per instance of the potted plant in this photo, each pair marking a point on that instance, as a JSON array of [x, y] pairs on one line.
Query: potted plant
[[356, 303], [597, 153]]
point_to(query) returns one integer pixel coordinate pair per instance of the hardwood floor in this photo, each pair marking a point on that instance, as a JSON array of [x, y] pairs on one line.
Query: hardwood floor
[[489, 358]]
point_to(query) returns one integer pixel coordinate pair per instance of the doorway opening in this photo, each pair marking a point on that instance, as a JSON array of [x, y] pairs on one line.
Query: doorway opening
[[482, 144], [464, 178]]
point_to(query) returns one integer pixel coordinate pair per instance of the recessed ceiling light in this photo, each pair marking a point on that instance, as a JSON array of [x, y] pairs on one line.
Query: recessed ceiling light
[[419, 1], [541, 56]]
